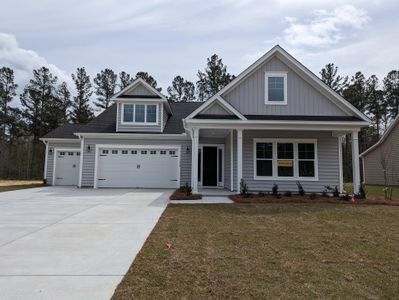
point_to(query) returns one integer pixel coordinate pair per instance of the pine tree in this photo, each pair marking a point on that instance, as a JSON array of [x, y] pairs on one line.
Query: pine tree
[[149, 79], [329, 76], [376, 104], [7, 92], [125, 79], [391, 91], [37, 100], [105, 88], [213, 79], [181, 90], [63, 102], [81, 111]]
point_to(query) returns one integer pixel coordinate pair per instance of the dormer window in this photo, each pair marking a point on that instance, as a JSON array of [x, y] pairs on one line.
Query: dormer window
[[139, 113], [276, 88]]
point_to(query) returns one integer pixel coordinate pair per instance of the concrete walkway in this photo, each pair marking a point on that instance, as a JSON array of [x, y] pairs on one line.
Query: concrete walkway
[[69, 243]]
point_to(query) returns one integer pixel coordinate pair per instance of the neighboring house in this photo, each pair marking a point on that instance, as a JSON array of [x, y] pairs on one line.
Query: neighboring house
[[381, 161], [274, 123]]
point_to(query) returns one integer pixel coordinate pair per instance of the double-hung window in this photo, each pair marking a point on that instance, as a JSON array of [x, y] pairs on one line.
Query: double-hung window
[[285, 159], [276, 88], [140, 113]]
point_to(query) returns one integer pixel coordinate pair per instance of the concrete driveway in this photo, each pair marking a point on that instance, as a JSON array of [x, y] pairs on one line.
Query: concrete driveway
[[69, 243]]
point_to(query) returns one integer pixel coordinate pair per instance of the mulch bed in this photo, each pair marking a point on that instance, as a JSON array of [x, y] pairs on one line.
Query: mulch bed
[[254, 198], [179, 195]]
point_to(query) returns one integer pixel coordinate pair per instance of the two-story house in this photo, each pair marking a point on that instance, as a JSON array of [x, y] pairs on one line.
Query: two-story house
[[276, 122]]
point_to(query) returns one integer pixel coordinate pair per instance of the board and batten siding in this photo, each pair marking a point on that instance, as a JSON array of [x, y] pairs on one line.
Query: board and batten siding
[[89, 157], [387, 151], [215, 109], [248, 97], [328, 161], [138, 127], [50, 157]]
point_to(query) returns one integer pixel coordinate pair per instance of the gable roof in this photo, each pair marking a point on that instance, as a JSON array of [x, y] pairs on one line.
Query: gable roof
[[223, 103], [384, 137], [302, 71], [139, 81]]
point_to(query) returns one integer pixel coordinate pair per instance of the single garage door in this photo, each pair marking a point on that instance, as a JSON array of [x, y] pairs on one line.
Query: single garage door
[[67, 167], [138, 168]]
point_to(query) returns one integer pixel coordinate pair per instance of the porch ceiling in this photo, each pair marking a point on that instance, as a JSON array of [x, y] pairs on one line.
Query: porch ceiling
[[214, 133]]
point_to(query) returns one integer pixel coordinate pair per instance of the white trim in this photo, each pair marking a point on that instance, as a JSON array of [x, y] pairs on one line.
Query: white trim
[[222, 102], [81, 161], [117, 117], [70, 140], [383, 138], [304, 73], [145, 123], [340, 164], [275, 122], [239, 158], [218, 147], [231, 160], [45, 161], [161, 127], [55, 150], [275, 74], [118, 146], [355, 162], [194, 159], [150, 136], [295, 160]]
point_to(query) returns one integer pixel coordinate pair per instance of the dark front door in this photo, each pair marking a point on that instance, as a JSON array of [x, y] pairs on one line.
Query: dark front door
[[210, 166]]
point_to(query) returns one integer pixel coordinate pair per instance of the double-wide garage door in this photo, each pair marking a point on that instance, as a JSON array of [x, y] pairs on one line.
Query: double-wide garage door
[[138, 167]]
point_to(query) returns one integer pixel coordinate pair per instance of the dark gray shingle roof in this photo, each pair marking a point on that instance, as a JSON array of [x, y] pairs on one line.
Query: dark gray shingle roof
[[65, 131]]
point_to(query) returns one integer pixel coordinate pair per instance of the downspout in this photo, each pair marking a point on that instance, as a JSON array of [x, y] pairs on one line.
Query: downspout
[[45, 163], [81, 160]]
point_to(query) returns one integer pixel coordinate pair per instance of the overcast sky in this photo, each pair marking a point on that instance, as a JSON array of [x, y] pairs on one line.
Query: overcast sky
[[169, 38]]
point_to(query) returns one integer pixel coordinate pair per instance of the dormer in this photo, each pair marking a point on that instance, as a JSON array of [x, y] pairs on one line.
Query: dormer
[[141, 108]]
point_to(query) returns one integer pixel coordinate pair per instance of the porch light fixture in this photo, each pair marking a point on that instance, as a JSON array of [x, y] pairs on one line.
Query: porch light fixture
[[187, 149], [88, 148], [50, 151]]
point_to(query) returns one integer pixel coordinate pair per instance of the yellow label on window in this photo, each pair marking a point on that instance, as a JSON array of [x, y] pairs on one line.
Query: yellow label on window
[[284, 163]]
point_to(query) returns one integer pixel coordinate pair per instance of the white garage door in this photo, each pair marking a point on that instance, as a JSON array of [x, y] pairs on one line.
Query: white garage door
[[67, 167], [138, 168]]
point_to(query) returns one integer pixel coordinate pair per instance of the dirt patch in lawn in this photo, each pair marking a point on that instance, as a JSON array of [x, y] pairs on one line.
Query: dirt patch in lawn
[[267, 251], [254, 198], [11, 185], [179, 195]]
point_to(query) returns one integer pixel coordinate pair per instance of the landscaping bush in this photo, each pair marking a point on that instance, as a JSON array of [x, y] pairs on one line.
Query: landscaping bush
[[275, 190], [186, 189], [301, 190], [362, 192], [344, 197], [287, 194], [243, 188], [336, 192]]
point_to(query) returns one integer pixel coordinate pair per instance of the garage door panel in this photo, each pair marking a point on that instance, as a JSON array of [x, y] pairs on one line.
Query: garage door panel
[[147, 168], [67, 167]]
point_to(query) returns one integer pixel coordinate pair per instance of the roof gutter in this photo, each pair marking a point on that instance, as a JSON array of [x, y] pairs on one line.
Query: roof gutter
[[154, 136]]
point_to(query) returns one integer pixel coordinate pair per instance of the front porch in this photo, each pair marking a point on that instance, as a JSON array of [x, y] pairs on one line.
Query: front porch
[[221, 157]]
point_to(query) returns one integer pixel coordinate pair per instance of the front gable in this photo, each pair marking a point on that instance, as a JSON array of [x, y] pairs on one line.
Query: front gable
[[216, 109], [140, 90], [249, 95]]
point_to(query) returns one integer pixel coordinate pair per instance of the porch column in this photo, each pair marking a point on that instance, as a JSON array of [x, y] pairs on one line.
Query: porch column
[[341, 171], [194, 160], [239, 158], [355, 162]]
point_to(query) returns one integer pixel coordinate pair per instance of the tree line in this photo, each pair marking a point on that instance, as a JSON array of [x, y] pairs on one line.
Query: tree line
[[46, 103]]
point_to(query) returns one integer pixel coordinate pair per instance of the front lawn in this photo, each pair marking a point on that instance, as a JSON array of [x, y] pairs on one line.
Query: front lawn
[[11, 185], [374, 191], [268, 251]]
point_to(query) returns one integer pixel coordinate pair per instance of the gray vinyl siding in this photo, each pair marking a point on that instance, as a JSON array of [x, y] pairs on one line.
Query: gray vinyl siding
[[89, 157], [136, 127], [215, 109], [248, 97], [50, 157], [328, 161], [139, 90], [387, 151]]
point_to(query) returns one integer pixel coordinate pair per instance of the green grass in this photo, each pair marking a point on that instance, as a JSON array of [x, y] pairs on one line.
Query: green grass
[[374, 191], [265, 251]]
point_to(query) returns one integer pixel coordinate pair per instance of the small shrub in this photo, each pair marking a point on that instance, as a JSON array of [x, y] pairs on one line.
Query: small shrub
[[344, 197], [301, 190], [278, 196], [312, 196], [362, 192], [287, 194], [186, 189], [243, 188], [336, 192], [275, 190]]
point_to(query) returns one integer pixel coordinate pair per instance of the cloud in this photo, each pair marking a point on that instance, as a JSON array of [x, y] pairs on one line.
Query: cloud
[[325, 28], [23, 61]]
